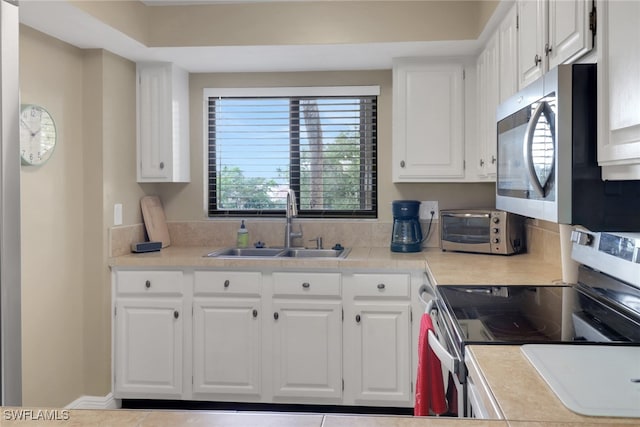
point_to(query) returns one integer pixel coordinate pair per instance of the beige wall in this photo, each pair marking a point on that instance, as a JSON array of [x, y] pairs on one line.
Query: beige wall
[[282, 23], [51, 229], [67, 211], [186, 201]]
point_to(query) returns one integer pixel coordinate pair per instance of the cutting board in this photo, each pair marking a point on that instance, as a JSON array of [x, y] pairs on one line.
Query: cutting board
[[154, 220], [595, 380]]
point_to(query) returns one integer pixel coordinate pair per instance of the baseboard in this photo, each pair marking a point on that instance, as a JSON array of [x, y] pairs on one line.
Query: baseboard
[[95, 402]]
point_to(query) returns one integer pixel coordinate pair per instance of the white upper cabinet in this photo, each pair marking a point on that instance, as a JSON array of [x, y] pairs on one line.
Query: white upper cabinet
[[508, 55], [497, 79], [428, 122], [487, 69], [569, 34], [532, 33], [551, 32], [619, 89], [163, 123]]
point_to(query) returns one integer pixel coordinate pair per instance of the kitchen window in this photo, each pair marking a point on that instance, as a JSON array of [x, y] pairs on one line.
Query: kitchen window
[[319, 141]]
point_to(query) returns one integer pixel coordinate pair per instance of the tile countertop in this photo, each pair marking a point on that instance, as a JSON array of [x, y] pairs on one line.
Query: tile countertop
[[526, 395], [162, 418], [447, 268], [193, 256], [456, 268]]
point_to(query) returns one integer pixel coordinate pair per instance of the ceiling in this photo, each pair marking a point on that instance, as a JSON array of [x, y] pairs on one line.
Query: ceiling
[[61, 20]]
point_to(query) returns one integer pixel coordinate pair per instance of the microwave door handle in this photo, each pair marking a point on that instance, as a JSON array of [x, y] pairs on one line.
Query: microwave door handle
[[528, 147]]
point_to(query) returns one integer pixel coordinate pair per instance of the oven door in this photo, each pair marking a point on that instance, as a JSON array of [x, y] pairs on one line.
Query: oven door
[[465, 231], [443, 346]]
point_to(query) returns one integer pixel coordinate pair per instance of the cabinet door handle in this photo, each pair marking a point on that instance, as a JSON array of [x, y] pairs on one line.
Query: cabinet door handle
[[226, 283], [493, 160], [381, 286], [255, 313], [481, 162], [402, 163], [537, 59], [147, 284], [176, 314], [161, 165], [306, 285], [357, 318], [548, 49], [275, 315]]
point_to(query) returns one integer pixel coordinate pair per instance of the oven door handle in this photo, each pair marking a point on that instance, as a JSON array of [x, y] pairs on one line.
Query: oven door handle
[[446, 359]]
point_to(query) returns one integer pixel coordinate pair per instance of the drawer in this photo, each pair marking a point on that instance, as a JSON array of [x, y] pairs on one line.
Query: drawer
[[149, 282], [227, 282], [381, 285], [301, 284]]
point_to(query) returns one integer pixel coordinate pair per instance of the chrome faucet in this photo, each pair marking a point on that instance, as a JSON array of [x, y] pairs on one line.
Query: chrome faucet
[[292, 212]]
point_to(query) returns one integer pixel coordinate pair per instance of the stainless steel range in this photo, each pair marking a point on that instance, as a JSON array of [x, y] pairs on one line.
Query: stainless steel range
[[602, 308]]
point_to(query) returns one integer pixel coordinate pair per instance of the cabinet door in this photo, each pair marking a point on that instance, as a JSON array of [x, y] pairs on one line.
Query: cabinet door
[[307, 351], [154, 122], [619, 89], [428, 122], [508, 55], [148, 347], [163, 123], [487, 74], [532, 34], [226, 347], [382, 353], [569, 33]]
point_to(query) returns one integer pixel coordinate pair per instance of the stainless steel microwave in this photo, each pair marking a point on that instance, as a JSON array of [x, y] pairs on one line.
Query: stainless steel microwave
[[482, 231], [547, 156]]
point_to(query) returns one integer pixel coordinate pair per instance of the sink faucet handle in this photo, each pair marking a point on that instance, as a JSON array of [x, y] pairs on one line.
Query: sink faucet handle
[[297, 234], [318, 241], [292, 205]]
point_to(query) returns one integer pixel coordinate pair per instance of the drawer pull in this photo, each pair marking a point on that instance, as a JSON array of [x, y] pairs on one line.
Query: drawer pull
[[176, 314], [275, 315], [381, 286], [357, 318], [147, 284], [255, 313], [306, 285], [226, 283]]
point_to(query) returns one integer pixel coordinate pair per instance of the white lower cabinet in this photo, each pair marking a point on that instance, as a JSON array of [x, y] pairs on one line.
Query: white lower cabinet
[[307, 351], [227, 334], [148, 335], [377, 357], [309, 337]]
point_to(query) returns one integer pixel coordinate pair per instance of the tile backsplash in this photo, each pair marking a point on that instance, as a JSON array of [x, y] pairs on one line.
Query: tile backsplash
[[543, 238]]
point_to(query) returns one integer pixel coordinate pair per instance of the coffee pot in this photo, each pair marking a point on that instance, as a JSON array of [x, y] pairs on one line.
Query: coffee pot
[[406, 235]]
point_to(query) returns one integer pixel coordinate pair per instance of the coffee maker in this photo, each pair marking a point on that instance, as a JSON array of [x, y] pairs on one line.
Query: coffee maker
[[406, 235]]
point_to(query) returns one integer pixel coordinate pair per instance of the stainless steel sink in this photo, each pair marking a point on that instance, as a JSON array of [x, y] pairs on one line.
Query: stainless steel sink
[[316, 253], [245, 253], [278, 252]]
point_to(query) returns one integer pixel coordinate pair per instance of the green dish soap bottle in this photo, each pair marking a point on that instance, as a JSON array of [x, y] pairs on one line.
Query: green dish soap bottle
[[242, 240]]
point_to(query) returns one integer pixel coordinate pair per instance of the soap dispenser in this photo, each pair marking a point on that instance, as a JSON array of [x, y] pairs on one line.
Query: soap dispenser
[[242, 240]]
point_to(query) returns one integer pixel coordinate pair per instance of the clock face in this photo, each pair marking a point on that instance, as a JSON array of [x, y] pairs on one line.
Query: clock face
[[37, 135]]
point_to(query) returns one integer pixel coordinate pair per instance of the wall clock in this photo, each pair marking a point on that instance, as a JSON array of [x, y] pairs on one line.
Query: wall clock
[[38, 135]]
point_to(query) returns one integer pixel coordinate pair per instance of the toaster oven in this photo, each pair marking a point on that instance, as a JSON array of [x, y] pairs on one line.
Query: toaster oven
[[482, 231]]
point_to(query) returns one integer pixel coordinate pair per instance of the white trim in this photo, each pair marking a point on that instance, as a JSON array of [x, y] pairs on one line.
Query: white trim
[[95, 402], [293, 91]]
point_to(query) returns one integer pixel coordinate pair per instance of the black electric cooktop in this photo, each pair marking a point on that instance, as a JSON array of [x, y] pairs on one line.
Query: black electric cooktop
[[535, 314]]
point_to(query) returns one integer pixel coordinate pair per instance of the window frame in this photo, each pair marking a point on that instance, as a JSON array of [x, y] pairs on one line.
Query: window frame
[[286, 92]]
